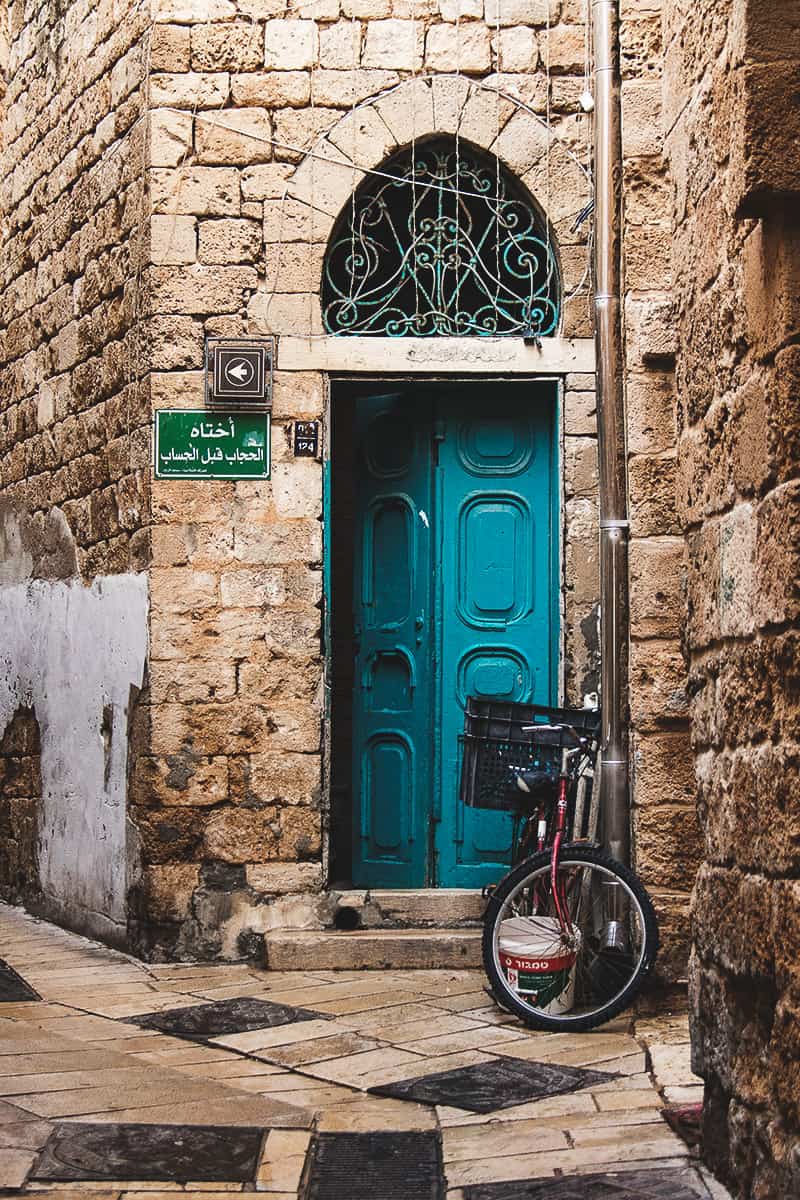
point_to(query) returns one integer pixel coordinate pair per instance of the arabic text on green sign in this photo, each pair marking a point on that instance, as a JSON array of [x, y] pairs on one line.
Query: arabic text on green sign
[[198, 444]]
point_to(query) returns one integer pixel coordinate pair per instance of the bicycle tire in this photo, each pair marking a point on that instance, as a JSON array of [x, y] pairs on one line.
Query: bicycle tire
[[536, 868]]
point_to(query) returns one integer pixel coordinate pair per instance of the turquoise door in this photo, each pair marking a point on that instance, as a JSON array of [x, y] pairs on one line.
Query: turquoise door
[[454, 595]]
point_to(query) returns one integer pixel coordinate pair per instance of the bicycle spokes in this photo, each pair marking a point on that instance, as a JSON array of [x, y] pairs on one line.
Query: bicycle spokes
[[586, 936]]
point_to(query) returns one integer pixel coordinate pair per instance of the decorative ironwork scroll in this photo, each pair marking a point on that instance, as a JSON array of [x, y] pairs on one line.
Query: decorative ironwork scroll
[[442, 241]]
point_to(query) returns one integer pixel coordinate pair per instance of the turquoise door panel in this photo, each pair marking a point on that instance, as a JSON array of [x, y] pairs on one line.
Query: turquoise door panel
[[392, 644], [498, 626], [455, 595]]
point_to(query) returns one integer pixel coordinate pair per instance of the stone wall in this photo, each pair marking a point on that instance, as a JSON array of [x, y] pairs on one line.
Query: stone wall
[[256, 146], [731, 112], [666, 840], [20, 802], [74, 437], [172, 180]]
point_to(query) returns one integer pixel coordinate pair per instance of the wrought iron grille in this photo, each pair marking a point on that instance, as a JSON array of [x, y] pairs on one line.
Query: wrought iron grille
[[442, 242]]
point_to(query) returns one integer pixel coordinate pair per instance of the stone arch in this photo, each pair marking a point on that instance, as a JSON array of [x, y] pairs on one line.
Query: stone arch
[[362, 139]]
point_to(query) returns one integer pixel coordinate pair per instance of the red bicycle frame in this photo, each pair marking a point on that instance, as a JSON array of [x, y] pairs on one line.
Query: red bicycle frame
[[559, 832]]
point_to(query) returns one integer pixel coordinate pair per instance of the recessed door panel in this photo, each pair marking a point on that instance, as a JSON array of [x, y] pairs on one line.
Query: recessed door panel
[[495, 535], [387, 796]]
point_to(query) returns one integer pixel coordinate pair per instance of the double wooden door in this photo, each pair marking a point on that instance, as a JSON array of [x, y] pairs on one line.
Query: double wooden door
[[455, 594]]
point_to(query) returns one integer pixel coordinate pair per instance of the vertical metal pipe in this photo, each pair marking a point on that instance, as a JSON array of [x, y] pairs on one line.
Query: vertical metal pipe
[[611, 431]]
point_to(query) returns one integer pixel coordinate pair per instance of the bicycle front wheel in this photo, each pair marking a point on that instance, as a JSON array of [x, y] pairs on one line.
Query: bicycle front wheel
[[578, 980]]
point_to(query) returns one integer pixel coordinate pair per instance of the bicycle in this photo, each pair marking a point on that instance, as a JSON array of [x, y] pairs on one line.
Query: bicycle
[[570, 934]]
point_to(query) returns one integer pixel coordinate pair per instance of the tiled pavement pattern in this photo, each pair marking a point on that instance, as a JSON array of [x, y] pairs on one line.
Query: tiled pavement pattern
[[75, 1057]]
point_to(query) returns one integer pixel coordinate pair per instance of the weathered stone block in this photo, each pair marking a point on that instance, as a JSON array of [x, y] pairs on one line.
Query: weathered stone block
[[580, 467], [395, 45], [663, 769], [195, 679], [301, 833], [668, 845], [651, 332], [290, 45], [641, 113], [297, 489], [518, 12], [180, 779], [340, 45], [293, 267], [280, 879], [580, 414], [657, 587], [173, 240], [170, 137], [278, 543], [187, 11], [516, 49], [341, 89], [297, 315], [457, 47], [296, 130], [168, 890], [253, 588], [181, 589], [265, 181], [240, 835], [272, 89], [204, 191], [234, 46], [650, 410], [522, 142], [229, 241], [278, 777], [234, 136], [192, 89], [297, 394], [169, 48], [652, 494], [763, 166], [658, 683], [449, 98], [201, 289], [777, 599]]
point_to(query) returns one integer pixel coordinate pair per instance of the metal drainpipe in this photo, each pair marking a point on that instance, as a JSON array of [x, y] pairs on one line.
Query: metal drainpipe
[[611, 432]]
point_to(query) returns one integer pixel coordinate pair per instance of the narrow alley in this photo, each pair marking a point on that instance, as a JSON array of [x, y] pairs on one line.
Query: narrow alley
[[125, 1080]]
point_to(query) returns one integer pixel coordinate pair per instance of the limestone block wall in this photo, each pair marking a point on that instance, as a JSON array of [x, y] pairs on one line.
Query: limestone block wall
[[262, 125], [666, 838], [730, 113], [174, 174], [73, 445]]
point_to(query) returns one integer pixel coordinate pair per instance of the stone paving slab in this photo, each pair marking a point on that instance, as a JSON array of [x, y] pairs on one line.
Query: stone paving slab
[[80, 1055]]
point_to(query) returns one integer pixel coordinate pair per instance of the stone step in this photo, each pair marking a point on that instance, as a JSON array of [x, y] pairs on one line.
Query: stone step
[[372, 949], [438, 908]]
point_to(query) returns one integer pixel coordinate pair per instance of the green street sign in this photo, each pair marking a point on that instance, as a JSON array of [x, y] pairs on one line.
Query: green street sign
[[199, 444]]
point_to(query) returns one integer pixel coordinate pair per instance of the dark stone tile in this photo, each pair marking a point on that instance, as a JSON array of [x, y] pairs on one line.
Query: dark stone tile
[[13, 987], [170, 1153], [375, 1166], [622, 1185], [239, 1015], [492, 1085]]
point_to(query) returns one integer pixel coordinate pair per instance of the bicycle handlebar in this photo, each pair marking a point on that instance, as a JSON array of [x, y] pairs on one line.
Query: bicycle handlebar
[[579, 741]]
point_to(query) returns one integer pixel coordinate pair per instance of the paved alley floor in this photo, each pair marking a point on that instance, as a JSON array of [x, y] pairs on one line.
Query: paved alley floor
[[121, 1079]]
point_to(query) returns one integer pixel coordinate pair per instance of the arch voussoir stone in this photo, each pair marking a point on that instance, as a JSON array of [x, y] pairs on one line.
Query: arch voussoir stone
[[423, 108]]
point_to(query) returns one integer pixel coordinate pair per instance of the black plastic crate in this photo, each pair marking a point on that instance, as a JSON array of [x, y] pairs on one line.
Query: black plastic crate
[[495, 748]]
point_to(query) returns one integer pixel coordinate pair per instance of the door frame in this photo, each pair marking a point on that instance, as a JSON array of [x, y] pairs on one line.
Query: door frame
[[340, 380]]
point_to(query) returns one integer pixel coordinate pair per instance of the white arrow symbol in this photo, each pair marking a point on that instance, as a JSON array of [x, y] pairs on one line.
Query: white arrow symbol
[[240, 371]]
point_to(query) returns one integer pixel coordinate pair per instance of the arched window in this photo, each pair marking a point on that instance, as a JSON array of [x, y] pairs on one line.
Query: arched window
[[441, 241]]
